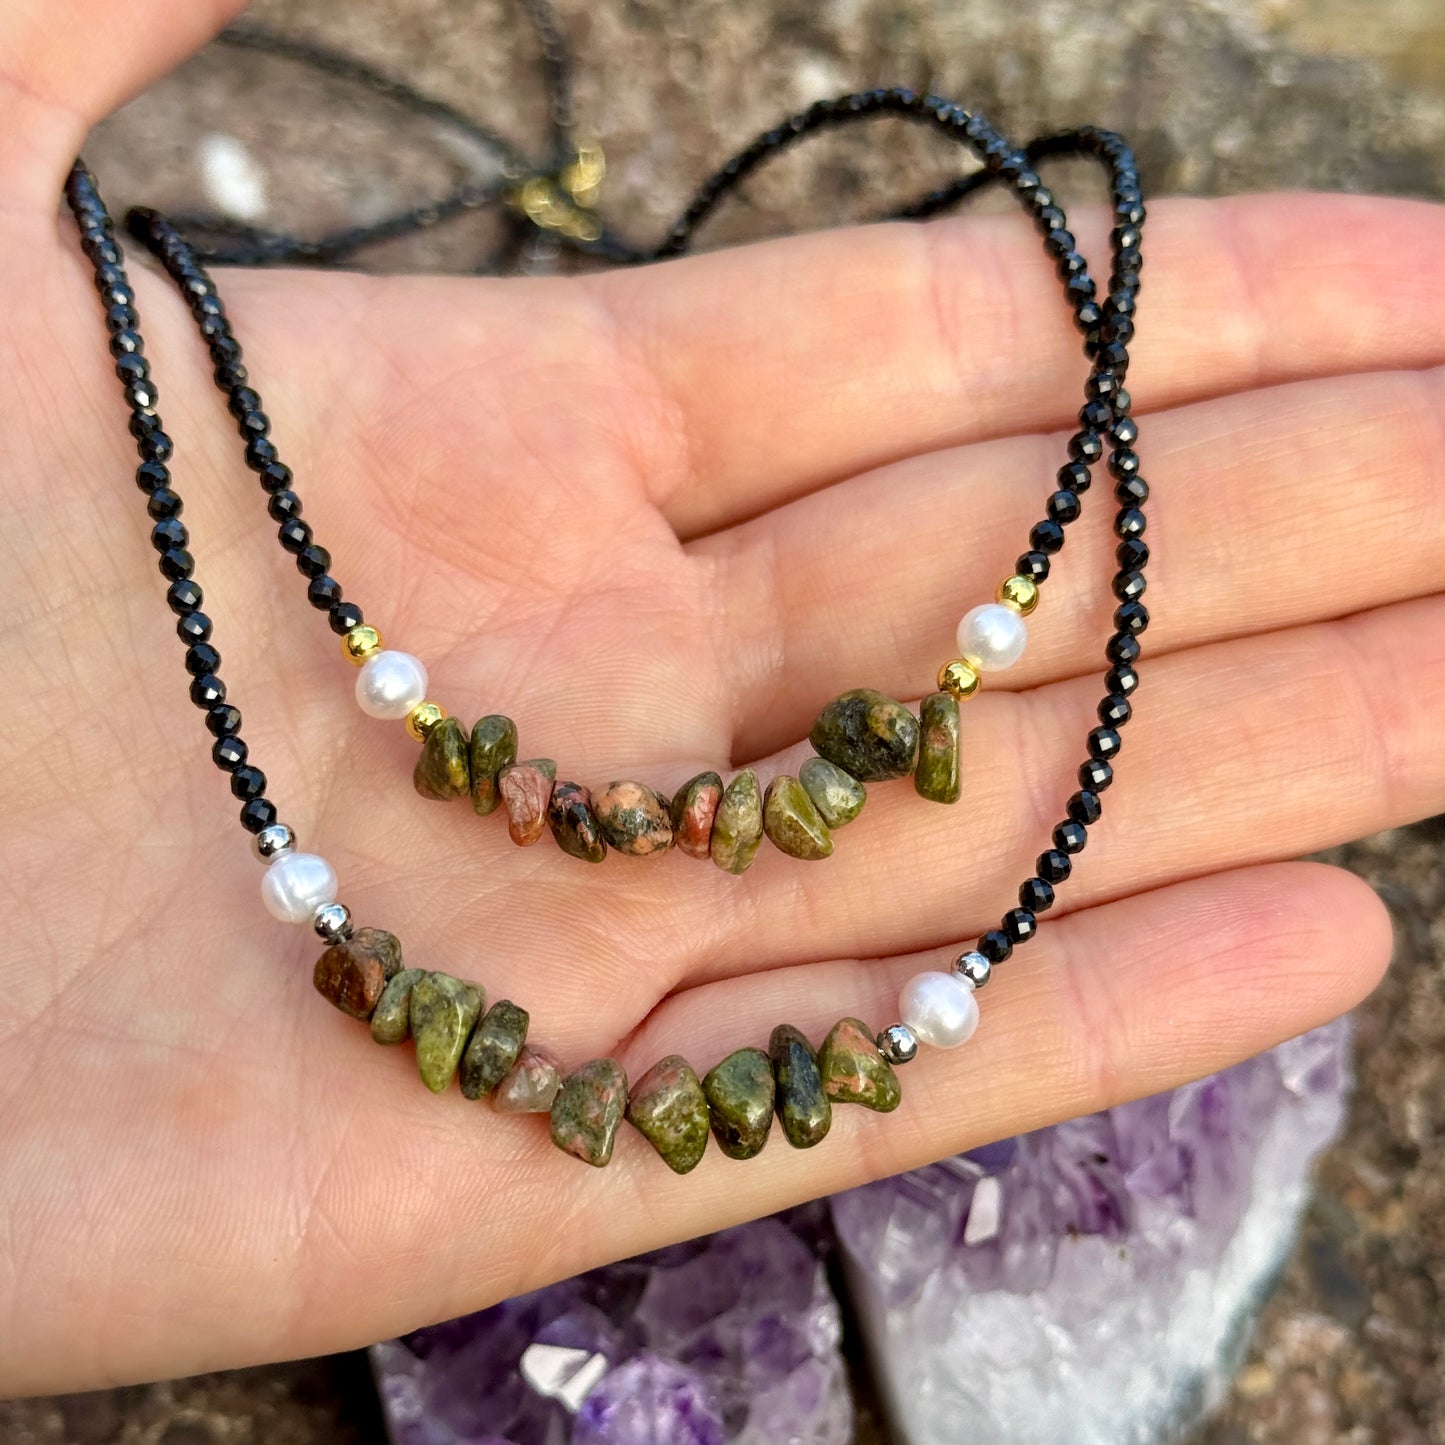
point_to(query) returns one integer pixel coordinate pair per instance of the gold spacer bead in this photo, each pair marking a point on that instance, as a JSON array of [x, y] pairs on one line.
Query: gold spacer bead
[[958, 678], [359, 643], [1020, 593], [423, 718]]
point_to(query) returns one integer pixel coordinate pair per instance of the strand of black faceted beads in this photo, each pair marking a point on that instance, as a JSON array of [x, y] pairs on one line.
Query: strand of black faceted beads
[[283, 503], [163, 503], [1107, 327]]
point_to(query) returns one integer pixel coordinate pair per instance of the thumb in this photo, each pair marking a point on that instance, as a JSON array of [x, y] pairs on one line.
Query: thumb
[[65, 65]]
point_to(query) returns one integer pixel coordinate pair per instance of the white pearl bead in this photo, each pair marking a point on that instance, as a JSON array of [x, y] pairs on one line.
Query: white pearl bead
[[939, 1008], [296, 885], [992, 636], [390, 684]]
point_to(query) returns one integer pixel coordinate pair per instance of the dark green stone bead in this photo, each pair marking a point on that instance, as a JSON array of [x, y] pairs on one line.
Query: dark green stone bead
[[443, 1012], [937, 776], [737, 827], [574, 824], [391, 1023], [493, 1048], [493, 747], [442, 770], [667, 1107], [353, 974], [854, 1072], [588, 1109], [838, 796], [792, 822], [803, 1107], [868, 735], [740, 1094]]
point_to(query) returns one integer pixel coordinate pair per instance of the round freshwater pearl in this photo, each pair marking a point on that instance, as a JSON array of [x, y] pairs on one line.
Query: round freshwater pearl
[[296, 885], [992, 636], [940, 1009], [391, 684]]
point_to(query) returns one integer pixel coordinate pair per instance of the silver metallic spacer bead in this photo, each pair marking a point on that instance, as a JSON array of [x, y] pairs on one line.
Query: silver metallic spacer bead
[[272, 842], [898, 1044], [973, 968], [333, 923]]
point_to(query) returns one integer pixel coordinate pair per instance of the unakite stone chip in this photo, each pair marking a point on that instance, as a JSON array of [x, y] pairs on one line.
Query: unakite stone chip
[[667, 1107], [792, 822], [803, 1108], [574, 824], [694, 806], [353, 974], [937, 776], [737, 827], [493, 747], [838, 796], [634, 818], [588, 1109], [739, 1094], [391, 1023], [867, 735], [525, 790], [531, 1085], [493, 1048], [854, 1072], [443, 1012], [442, 770]]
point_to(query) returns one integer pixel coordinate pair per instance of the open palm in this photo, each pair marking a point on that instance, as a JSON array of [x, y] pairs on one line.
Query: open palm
[[659, 518]]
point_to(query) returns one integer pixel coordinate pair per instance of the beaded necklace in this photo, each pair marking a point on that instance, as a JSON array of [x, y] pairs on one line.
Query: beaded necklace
[[861, 738]]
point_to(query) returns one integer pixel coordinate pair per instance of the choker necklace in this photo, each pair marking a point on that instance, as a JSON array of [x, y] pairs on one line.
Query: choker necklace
[[862, 737]]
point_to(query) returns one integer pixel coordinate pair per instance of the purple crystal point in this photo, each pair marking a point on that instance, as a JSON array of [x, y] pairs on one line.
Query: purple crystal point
[[650, 1401]]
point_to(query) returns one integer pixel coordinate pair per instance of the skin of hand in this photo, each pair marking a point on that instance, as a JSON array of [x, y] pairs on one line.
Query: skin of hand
[[660, 518]]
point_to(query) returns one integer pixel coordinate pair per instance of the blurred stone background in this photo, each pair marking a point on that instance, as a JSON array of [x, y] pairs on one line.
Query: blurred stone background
[[1217, 95]]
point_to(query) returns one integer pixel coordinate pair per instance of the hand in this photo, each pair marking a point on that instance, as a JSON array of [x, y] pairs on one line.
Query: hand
[[660, 518]]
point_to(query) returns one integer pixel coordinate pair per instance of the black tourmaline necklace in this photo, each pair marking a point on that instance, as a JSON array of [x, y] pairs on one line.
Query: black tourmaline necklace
[[860, 738]]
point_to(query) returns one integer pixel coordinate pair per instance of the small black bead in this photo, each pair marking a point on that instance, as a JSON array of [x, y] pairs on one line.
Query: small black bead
[[1115, 710], [1131, 618], [344, 616], [126, 343], [1085, 446], [164, 503], [1034, 565], [1070, 837], [1122, 647], [183, 596], [1125, 431], [248, 782], [1036, 895], [1123, 462], [1115, 357], [228, 753], [1132, 492], [996, 946], [152, 476], [1080, 289], [312, 560], [1064, 507], [1095, 415], [1131, 554], [260, 453], [169, 532], [293, 534], [1046, 536], [1121, 679], [1074, 477], [1129, 523], [224, 721], [1104, 742], [257, 813], [1095, 774], [1020, 925], [207, 690], [229, 374], [177, 563], [120, 318], [202, 658], [323, 591], [283, 504], [1085, 807], [1130, 586], [1103, 385], [1053, 866], [242, 400], [155, 445], [275, 476], [253, 424], [194, 627]]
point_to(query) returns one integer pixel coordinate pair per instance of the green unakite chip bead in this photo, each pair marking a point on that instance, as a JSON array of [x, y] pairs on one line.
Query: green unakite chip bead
[[854, 1072], [937, 776], [803, 1108], [667, 1107], [443, 1012], [792, 822], [868, 735], [574, 824], [493, 1048], [737, 827], [740, 1095], [442, 771], [493, 747], [391, 1023], [588, 1109], [838, 796]]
